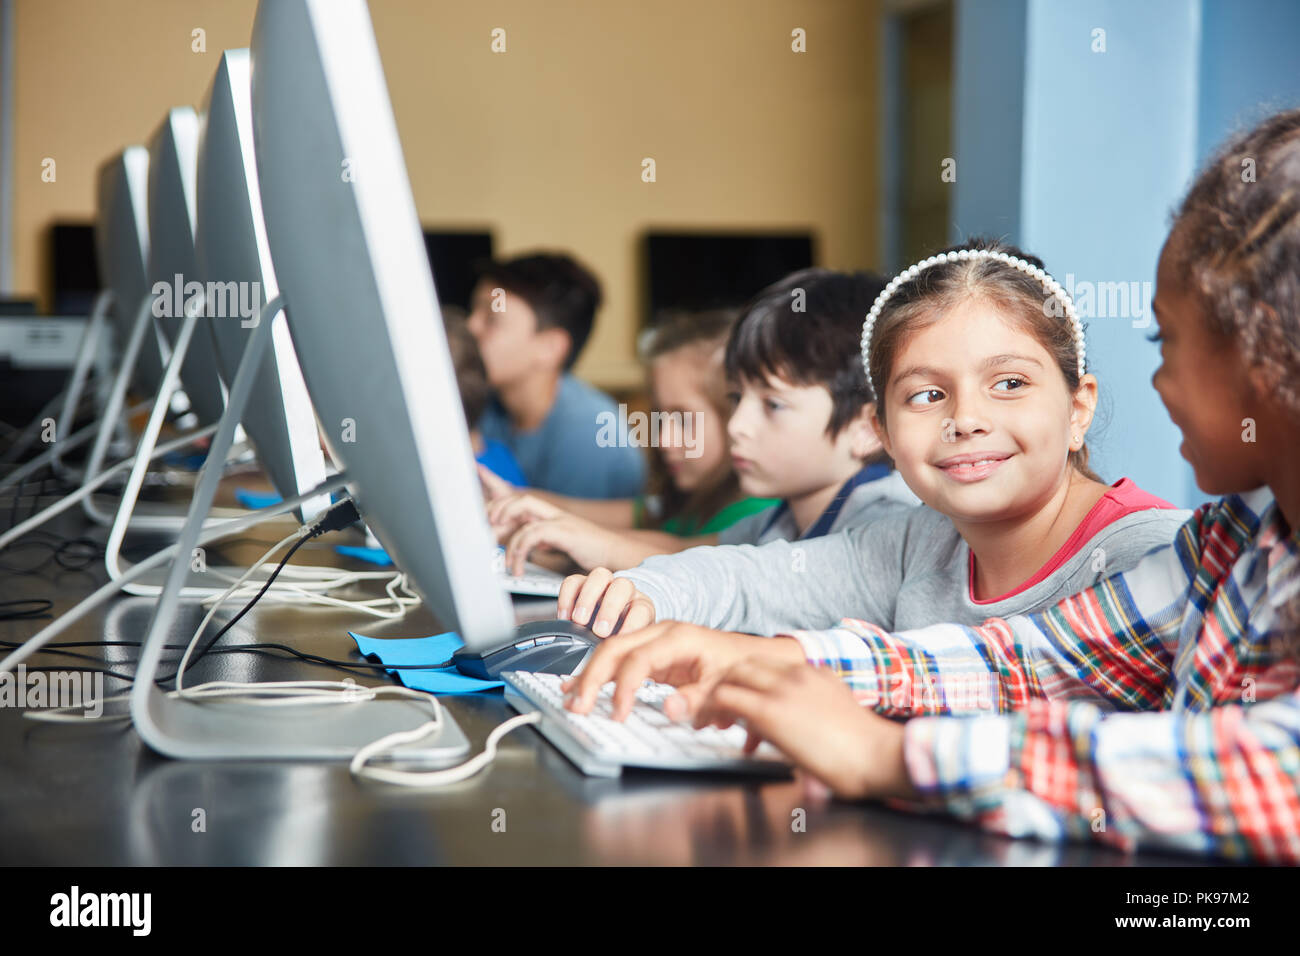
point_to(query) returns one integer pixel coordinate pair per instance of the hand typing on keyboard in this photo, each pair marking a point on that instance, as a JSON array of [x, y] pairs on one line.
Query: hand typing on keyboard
[[645, 737], [526, 523], [812, 717], [687, 656]]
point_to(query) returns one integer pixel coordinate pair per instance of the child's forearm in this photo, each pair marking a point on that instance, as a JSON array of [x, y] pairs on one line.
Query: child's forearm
[[641, 544], [636, 544], [1071, 769], [755, 590], [1113, 642], [608, 513]]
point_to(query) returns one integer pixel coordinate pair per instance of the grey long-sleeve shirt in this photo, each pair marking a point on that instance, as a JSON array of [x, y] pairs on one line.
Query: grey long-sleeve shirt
[[869, 501], [906, 570]]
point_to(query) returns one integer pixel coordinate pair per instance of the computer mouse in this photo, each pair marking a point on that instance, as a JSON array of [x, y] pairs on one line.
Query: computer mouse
[[540, 647]]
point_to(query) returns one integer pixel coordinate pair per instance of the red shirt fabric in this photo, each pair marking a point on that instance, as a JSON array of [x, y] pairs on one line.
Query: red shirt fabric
[[1123, 498]]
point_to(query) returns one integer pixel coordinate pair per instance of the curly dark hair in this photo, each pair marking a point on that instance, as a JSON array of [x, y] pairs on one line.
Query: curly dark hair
[[1236, 236]]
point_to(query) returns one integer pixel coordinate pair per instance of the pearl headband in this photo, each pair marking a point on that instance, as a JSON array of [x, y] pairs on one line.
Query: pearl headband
[[1053, 287]]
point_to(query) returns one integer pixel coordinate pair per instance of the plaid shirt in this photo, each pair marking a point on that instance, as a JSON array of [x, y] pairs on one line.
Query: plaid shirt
[[1152, 709]]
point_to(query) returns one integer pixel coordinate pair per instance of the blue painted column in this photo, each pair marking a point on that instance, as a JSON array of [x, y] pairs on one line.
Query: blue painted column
[[1078, 127], [1110, 125], [1074, 144]]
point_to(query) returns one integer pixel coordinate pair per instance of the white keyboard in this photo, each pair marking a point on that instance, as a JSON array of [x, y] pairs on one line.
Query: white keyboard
[[536, 581], [601, 746]]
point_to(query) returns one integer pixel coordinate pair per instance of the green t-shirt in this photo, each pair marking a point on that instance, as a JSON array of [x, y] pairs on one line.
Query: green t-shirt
[[686, 528]]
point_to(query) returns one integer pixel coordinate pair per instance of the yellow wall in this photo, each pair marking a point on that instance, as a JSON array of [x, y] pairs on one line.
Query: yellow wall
[[542, 143]]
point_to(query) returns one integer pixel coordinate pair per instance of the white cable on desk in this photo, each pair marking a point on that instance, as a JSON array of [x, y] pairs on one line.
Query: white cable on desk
[[365, 606], [63, 715], [333, 577], [203, 625], [388, 608], [283, 693], [431, 778], [207, 536], [299, 693], [294, 693]]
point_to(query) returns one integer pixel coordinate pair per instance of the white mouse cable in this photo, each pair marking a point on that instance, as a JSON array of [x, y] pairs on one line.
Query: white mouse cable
[[431, 778]]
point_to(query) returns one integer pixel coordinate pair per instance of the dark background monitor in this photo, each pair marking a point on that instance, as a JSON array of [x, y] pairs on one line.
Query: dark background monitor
[[707, 270], [454, 256], [73, 280], [21, 306]]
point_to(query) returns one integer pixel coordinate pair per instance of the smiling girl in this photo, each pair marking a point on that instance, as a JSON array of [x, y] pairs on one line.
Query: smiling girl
[[984, 402]]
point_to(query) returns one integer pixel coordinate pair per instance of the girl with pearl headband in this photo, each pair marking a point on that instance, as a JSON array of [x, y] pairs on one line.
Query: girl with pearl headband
[[978, 364], [1158, 708]]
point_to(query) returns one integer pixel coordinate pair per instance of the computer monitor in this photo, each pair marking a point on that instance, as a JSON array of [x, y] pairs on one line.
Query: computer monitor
[[455, 257], [73, 277], [122, 249], [694, 271], [350, 259], [234, 263], [173, 161]]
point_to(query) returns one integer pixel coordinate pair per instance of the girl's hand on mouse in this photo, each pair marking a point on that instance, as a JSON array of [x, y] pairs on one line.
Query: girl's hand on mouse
[[690, 657], [604, 603], [509, 513], [811, 716], [587, 544]]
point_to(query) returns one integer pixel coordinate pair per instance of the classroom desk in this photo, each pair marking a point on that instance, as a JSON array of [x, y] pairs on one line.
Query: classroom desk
[[95, 795]]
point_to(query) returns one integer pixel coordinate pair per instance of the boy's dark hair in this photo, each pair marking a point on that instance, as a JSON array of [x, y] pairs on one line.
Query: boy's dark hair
[[471, 375], [807, 329], [563, 293]]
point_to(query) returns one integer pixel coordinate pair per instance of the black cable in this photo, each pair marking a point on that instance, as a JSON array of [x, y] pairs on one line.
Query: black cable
[[94, 551], [340, 515], [261, 648], [62, 647], [51, 669], [242, 611], [36, 608], [35, 568], [62, 551]]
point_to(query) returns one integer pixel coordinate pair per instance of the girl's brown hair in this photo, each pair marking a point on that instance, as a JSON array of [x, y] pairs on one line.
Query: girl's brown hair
[[1236, 237], [706, 332], [941, 287]]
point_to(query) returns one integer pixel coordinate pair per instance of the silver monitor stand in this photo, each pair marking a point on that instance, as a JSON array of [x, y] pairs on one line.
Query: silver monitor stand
[[231, 729]]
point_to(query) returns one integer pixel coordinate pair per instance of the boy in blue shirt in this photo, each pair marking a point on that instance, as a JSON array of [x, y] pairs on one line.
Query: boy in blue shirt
[[531, 316], [471, 380]]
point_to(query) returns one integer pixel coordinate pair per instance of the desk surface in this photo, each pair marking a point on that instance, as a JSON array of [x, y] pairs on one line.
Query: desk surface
[[95, 795]]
